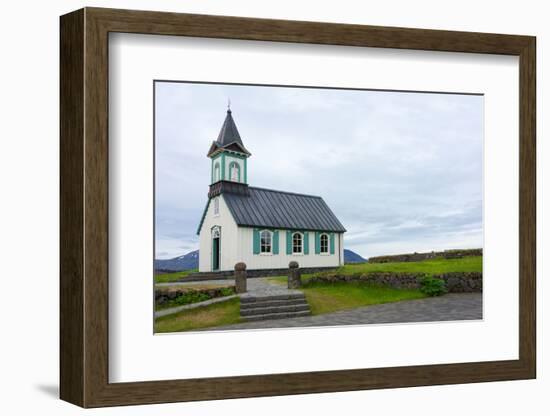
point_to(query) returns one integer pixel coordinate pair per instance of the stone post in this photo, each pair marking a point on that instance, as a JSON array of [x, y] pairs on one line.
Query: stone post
[[294, 275], [240, 277]]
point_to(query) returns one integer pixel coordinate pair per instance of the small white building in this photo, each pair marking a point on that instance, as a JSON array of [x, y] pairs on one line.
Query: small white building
[[263, 228]]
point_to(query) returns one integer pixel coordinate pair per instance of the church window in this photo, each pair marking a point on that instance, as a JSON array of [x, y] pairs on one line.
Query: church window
[[234, 172], [216, 232], [216, 172], [297, 243], [324, 243], [216, 206], [265, 241]]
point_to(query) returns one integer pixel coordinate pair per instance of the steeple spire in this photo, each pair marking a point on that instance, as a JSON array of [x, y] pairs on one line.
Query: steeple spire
[[229, 133], [229, 137]]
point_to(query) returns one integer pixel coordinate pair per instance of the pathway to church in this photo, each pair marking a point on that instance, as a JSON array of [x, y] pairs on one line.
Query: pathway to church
[[451, 307]]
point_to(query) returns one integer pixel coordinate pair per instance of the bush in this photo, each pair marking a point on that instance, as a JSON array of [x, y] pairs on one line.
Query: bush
[[191, 297], [432, 286], [227, 291], [168, 299]]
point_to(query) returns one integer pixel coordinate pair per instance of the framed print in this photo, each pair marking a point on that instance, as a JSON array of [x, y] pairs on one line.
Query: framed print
[[293, 207]]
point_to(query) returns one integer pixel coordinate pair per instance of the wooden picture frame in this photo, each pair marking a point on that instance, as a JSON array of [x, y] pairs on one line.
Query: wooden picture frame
[[84, 207]]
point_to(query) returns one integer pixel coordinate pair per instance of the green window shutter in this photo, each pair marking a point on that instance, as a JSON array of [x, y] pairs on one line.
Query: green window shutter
[[317, 243], [276, 242], [306, 242], [331, 243], [289, 242], [256, 241]]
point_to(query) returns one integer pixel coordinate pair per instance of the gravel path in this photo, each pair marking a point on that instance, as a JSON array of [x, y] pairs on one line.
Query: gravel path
[[451, 307]]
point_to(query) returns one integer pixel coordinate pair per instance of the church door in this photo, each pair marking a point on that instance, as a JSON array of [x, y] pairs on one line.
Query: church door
[[216, 249]]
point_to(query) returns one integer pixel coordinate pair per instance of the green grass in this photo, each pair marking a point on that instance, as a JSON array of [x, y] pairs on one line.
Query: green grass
[[172, 277], [223, 313], [429, 267], [332, 297]]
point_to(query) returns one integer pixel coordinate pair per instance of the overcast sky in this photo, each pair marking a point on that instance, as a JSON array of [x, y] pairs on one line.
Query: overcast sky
[[402, 171]]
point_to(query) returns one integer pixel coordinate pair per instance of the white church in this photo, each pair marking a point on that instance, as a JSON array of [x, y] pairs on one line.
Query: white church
[[264, 228]]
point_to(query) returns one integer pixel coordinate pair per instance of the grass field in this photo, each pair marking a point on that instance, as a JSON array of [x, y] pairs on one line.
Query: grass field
[[434, 266], [172, 277], [223, 313], [332, 297]]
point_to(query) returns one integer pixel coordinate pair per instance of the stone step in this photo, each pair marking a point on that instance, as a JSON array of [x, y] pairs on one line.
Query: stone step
[[269, 303], [275, 309], [281, 315], [289, 296]]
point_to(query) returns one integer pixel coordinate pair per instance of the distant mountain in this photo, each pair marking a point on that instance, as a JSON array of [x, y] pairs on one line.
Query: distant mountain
[[188, 261], [352, 257]]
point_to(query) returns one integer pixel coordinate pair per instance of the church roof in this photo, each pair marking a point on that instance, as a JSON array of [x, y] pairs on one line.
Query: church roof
[[284, 210], [229, 137]]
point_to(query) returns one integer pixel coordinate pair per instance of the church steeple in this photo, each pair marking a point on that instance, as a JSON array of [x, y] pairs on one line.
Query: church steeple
[[228, 154], [229, 133]]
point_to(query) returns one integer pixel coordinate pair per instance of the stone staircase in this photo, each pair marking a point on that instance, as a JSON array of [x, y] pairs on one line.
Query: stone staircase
[[260, 308]]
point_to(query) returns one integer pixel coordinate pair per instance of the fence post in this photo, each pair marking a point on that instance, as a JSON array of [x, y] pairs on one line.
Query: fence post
[[294, 275], [240, 277]]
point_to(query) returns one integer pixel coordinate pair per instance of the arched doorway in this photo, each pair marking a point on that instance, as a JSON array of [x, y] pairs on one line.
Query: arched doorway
[[216, 236]]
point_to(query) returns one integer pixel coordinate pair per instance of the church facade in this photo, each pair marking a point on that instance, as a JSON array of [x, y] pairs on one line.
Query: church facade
[[264, 228]]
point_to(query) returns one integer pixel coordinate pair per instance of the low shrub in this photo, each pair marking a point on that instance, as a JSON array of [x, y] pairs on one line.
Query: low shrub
[[227, 291], [191, 297], [432, 286]]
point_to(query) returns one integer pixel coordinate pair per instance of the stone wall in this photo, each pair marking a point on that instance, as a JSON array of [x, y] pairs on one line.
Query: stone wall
[[164, 295], [197, 277], [447, 254], [455, 282]]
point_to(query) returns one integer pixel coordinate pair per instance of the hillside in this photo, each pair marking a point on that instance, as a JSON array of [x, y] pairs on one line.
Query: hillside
[[188, 261], [352, 257]]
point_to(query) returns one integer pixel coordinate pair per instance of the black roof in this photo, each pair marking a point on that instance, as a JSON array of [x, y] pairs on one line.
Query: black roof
[[229, 137], [229, 133], [278, 209]]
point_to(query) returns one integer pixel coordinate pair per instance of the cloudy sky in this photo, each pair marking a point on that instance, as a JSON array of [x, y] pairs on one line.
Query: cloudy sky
[[402, 171]]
